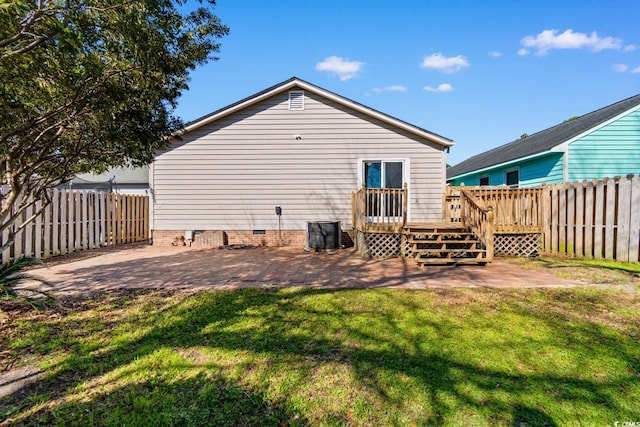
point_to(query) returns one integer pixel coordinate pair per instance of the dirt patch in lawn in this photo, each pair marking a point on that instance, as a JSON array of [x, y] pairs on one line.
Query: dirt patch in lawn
[[572, 269]]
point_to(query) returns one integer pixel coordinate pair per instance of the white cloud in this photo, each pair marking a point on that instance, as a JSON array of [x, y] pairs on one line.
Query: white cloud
[[635, 70], [442, 88], [341, 67], [495, 54], [629, 48], [550, 39], [394, 88], [448, 65], [523, 52], [620, 68]]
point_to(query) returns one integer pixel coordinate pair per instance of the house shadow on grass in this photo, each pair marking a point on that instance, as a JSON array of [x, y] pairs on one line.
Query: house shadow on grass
[[310, 356]]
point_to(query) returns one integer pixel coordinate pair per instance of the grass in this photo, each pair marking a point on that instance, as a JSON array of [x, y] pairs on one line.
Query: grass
[[591, 271], [301, 356]]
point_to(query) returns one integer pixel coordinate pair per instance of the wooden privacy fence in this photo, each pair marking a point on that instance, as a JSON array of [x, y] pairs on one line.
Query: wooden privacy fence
[[591, 219], [79, 220], [594, 219]]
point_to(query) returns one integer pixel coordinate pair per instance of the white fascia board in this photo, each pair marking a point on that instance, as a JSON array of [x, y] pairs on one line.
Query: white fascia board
[[238, 107], [328, 95], [565, 145], [502, 165]]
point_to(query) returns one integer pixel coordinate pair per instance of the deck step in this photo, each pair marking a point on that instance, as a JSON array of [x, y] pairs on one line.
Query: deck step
[[466, 239], [436, 231], [445, 244], [450, 261], [469, 246], [449, 250]]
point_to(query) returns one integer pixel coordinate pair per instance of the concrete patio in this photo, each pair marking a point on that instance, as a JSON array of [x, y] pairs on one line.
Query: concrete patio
[[152, 267]]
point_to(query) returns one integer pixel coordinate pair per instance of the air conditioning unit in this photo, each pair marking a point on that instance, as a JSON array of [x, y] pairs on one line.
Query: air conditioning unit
[[323, 235]]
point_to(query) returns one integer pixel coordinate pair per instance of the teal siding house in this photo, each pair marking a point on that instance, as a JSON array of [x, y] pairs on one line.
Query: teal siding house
[[603, 143]]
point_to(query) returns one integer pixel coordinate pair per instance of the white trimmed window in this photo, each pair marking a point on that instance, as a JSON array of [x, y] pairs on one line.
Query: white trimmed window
[[484, 180], [384, 173], [296, 100], [512, 178]]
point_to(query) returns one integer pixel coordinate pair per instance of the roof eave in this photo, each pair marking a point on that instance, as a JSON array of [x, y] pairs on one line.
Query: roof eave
[[503, 164]]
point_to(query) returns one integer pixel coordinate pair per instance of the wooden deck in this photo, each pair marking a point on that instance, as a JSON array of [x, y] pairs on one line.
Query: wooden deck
[[510, 218]]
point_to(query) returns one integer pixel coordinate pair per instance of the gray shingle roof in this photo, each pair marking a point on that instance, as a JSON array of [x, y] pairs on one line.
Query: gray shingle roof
[[542, 141]]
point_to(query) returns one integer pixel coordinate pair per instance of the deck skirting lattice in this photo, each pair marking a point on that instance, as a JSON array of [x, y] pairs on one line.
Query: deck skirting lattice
[[382, 245], [522, 245], [391, 245]]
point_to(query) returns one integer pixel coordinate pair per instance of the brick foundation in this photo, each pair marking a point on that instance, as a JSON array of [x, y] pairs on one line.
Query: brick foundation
[[269, 238], [201, 239], [214, 239]]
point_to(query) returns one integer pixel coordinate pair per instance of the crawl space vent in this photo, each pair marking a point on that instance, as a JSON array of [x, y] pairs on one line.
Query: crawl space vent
[[296, 100]]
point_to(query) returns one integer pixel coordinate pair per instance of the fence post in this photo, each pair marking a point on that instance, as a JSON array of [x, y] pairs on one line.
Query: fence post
[[579, 218], [623, 220], [588, 218], [610, 218], [71, 218], [598, 219], [37, 232], [545, 214], [102, 239], [47, 230], [634, 221], [64, 221]]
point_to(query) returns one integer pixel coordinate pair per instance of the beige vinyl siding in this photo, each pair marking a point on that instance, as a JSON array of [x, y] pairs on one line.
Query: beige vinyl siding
[[231, 174]]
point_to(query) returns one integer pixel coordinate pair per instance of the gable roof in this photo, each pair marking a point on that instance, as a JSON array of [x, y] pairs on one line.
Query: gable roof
[[543, 141], [296, 83]]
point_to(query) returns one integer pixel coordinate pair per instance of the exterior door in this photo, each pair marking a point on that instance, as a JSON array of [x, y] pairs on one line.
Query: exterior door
[[384, 174]]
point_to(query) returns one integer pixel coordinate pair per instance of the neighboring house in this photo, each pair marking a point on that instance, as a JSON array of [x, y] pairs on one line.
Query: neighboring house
[[604, 143], [296, 149], [117, 180]]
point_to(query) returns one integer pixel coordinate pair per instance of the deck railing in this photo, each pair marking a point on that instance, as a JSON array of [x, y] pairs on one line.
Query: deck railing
[[379, 209], [516, 210], [479, 218]]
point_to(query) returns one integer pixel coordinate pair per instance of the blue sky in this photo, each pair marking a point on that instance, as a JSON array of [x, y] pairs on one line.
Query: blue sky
[[480, 73]]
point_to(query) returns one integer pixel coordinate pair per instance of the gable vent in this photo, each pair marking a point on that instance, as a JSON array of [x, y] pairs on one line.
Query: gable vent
[[296, 100]]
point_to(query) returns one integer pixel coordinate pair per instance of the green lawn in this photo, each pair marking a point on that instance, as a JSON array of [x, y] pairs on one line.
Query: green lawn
[[331, 357]]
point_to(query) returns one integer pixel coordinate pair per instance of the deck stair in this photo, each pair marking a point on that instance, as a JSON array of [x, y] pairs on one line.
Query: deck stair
[[445, 243]]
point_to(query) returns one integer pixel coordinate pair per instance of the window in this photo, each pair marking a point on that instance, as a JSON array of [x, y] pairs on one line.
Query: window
[[390, 174], [383, 174], [512, 178], [296, 100], [484, 180]]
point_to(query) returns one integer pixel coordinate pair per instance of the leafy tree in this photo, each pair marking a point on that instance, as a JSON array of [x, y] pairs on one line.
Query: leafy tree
[[87, 85]]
